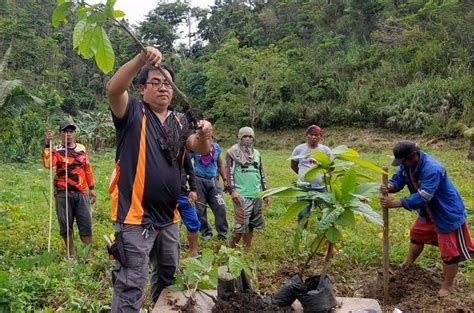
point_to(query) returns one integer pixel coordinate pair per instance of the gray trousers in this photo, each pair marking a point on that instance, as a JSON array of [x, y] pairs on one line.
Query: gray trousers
[[211, 193], [79, 209], [140, 246]]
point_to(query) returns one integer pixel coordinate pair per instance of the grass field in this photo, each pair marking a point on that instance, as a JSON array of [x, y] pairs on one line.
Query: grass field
[[72, 285]]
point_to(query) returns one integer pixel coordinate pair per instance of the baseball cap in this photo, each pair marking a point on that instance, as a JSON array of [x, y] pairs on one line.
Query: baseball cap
[[66, 124], [403, 150]]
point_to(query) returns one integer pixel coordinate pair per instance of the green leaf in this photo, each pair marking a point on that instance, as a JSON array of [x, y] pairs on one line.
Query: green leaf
[[346, 218], [78, 33], [96, 17], [176, 287], [119, 13], [368, 190], [281, 192], [88, 45], [207, 258], [109, 8], [328, 197], [350, 153], [365, 164], [82, 13], [47, 258], [348, 183], [246, 268], [104, 56], [329, 218], [60, 13], [235, 266], [333, 235], [292, 211], [312, 173], [213, 276], [343, 164], [336, 189], [364, 175], [322, 158], [366, 211], [193, 265], [339, 150]]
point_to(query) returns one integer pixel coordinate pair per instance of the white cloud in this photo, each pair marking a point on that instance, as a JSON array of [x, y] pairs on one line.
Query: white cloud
[[136, 10]]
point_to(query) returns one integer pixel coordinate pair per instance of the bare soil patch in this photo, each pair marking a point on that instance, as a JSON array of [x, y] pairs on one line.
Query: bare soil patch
[[247, 302], [413, 289]]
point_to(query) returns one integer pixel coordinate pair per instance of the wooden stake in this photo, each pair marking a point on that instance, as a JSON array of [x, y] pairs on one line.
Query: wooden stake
[[386, 246], [50, 193], [67, 202]]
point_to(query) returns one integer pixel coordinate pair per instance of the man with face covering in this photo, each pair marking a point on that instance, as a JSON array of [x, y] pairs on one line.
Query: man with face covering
[[441, 213], [246, 179]]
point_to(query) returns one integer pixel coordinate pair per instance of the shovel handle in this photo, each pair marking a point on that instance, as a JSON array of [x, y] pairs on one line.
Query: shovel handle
[[386, 256]]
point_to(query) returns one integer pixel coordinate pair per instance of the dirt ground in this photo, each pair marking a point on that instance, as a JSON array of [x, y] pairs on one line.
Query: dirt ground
[[247, 302], [415, 289]]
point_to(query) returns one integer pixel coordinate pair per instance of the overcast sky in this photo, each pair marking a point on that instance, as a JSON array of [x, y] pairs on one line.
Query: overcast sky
[[136, 10]]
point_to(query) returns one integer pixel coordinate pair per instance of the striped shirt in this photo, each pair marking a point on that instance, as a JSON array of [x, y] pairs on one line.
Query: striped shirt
[[79, 168], [146, 181]]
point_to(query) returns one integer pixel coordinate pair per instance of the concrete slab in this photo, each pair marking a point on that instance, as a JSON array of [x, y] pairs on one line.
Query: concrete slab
[[169, 301]]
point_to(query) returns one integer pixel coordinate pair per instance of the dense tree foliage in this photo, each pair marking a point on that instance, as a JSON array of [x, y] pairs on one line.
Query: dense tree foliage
[[404, 65]]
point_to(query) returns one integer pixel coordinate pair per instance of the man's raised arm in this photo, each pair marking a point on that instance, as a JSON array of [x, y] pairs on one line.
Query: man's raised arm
[[118, 85]]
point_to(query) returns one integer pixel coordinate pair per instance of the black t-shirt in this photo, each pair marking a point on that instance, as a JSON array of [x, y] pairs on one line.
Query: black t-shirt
[[148, 168]]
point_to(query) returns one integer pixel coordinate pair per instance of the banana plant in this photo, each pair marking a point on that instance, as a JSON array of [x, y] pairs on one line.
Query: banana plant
[[348, 193]]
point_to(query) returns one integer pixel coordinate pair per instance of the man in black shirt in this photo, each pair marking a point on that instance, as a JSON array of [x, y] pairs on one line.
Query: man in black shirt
[[145, 185]]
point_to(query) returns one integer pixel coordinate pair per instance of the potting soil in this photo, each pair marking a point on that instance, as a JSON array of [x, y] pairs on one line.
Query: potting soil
[[247, 302]]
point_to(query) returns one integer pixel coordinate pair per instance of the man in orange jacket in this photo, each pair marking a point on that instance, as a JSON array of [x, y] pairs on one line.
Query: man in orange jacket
[[79, 180]]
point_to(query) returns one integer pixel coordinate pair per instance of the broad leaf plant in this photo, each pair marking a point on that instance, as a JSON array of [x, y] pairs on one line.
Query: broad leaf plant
[[349, 190]]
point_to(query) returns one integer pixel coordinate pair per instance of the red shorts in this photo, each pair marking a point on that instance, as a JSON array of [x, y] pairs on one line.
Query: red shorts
[[455, 246]]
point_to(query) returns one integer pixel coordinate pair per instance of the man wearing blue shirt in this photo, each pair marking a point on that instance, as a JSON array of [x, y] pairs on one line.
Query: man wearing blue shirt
[[207, 169], [441, 213]]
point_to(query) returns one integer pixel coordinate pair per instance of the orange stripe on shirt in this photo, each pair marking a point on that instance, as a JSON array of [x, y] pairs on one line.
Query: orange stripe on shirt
[[176, 216], [135, 213]]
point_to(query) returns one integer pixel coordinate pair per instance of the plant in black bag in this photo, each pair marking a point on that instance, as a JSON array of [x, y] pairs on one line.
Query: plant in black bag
[[349, 189]]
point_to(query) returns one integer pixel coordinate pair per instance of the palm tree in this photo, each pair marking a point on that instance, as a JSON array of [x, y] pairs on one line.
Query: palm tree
[[12, 94]]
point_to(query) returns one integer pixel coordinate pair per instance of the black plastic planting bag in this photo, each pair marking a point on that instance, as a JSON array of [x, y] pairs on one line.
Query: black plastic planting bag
[[290, 291], [319, 296]]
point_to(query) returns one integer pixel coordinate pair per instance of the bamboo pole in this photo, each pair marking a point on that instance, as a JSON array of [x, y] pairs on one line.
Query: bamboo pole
[[67, 199], [386, 247], [50, 193]]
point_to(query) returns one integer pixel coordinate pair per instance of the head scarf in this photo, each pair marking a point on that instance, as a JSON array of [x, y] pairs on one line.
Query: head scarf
[[243, 152]]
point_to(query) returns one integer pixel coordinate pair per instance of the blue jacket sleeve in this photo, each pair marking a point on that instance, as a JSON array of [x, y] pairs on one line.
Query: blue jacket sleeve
[[397, 180], [429, 183]]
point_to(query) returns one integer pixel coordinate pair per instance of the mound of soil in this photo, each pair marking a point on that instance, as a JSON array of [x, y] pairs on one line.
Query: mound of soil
[[247, 302], [415, 289]]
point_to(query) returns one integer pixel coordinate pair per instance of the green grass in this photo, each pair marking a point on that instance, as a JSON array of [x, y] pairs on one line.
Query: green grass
[[24, 216]]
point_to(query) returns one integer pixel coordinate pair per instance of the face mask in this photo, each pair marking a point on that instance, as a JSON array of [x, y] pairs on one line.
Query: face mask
[[246, 142]]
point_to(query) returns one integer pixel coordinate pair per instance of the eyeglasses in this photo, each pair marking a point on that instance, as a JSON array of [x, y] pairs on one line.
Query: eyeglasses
[[157, 84]]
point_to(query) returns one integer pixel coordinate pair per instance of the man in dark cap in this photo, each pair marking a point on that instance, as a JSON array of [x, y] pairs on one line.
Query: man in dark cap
[[80, 184], [441, 213]]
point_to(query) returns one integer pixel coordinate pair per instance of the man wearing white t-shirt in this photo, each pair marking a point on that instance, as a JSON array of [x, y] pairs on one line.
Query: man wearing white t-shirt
[[302, 160]]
